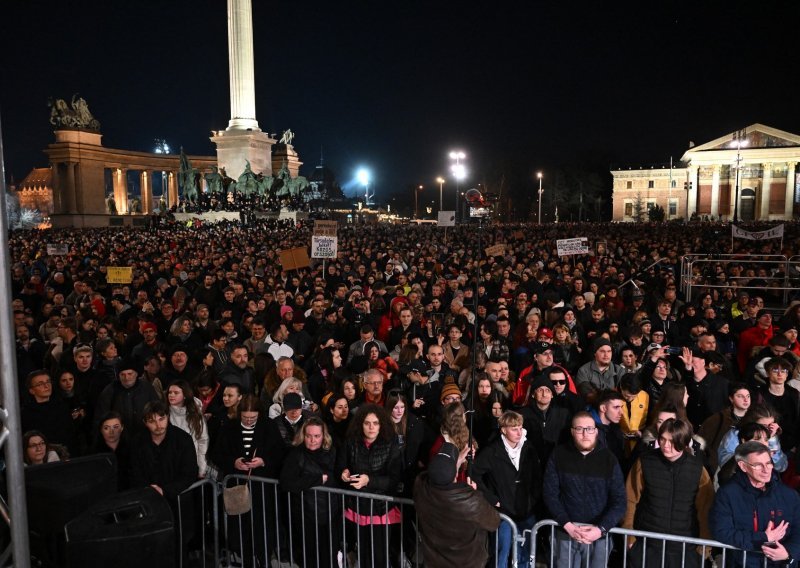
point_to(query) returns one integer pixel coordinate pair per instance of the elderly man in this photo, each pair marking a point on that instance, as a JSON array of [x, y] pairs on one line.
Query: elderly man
[[585, 492], [756, 512]]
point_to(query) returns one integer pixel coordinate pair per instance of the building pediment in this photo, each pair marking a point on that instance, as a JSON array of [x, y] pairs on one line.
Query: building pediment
[[756, 136]]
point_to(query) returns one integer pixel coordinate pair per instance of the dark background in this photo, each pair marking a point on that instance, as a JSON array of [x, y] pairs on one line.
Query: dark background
[[394, 86]]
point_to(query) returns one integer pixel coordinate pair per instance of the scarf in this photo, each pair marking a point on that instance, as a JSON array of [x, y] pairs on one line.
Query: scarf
[[514, 453]]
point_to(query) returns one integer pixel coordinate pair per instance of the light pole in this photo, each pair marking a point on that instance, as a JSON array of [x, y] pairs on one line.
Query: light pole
[[416, 205], [440, 181], [458, 169], [541, 191], [363, 179], [739, 140]]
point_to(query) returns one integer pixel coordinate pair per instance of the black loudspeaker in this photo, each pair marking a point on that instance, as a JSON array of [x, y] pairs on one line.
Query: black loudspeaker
[[58, 492], [128, 530]]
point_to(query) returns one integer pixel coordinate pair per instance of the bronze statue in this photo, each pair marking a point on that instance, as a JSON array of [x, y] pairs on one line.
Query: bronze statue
[[73, 115], [214, 181], [187, 179], [246, 184], [287, 137]]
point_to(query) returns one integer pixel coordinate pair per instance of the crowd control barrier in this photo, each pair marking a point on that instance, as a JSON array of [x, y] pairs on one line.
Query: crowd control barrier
[[552, 547], [319, 528]]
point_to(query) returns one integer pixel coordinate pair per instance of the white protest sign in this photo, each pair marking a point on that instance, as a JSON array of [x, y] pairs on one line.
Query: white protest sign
[[447, 219], [57, 250], [323, 246], [773, 233], [566, 247]]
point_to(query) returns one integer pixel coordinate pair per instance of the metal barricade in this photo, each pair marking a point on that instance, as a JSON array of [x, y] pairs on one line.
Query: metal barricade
[[198, 506], [325, 527], [783, 284], [668, 549]]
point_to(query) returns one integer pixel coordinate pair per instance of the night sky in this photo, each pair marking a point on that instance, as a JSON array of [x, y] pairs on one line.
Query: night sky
[[518, 86]]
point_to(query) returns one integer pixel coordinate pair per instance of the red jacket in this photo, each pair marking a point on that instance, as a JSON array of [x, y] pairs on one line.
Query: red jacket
[[752, 337]]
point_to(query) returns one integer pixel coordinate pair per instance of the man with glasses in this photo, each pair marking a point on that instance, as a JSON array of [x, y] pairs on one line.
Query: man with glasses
[[585, 492], [756, 512], [46, 413]]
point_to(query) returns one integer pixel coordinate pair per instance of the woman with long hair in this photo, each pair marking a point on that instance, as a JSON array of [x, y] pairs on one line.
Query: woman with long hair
[[322, 381], [231, 397], [338, 417], [566, 352], [312, 463], [112, 439], [186, 412], [456, 353], [410, 432], [372, 463]]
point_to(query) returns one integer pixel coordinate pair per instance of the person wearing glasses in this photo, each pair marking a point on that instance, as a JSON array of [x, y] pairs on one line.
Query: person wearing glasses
[[783, 398], [37, 450], [756, 512], [48, 414], [584, 490], [669, 491]]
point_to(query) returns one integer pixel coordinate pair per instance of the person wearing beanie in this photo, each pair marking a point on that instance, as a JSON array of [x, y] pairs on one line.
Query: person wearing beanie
[[454, 518], [450, 394], [600, 373], [127, 395], [547, 423]]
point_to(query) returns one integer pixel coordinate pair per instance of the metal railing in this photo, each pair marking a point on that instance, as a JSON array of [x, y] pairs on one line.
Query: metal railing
[[668, 549], [313, 528]]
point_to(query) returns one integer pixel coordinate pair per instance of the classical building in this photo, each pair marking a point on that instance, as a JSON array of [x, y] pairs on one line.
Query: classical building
[[764, 160], [36, 191]]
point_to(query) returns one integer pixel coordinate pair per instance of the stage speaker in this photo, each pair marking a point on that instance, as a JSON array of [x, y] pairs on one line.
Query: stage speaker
[[128, 530], [58, 492]]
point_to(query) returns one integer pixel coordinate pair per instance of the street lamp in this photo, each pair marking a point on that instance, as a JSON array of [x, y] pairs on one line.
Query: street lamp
[[440, 181], [363, 178], [416, 205], [739, 140], [541, 191], [458, 169]]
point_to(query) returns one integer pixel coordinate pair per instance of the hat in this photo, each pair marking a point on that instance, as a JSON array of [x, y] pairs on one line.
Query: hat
[[129, 364], [542, 381], [600, 342], [414, 366], [119, 298], [545, 332], [637, 296], [653, 347], [540, 347], [331, 310], [285, 310], [292, 401], [743, 294], [179, 348], [761, 313], [298, 317], [161, 282], [644, 321], [753, 302], [442, 467], [151, 326], [449, 389]]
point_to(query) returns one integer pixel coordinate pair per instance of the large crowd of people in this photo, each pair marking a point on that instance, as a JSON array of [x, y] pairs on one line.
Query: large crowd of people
[[586, 389]]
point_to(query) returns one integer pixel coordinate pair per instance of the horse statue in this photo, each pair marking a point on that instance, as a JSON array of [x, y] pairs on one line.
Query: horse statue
[[73, 115], [298, 185], [214, 181], [287, 137], [264, 184], [187, 179], [247, 184]]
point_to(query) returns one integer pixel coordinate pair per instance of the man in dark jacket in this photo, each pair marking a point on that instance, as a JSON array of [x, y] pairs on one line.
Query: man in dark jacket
[[545, 421], [585, 492], [453, 517], [756, 512], [508, 473], [127, 395]]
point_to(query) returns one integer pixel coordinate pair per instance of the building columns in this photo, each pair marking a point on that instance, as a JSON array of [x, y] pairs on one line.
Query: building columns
[[146, 184], [766, 182], [172, 189], [715, 192], [788, 206], [121, 190], [691, 199], [241, 66]]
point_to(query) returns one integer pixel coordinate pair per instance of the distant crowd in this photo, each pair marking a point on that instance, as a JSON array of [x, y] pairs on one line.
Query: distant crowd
[[537, 374]]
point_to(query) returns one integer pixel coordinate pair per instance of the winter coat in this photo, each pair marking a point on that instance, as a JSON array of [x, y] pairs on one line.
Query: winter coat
[[382, 461], [739, 507], [177, 417], [302, 471], [454, 522]]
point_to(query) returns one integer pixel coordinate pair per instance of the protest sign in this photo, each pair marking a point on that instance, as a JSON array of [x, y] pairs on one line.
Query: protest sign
[[323, 246], [566, 247]]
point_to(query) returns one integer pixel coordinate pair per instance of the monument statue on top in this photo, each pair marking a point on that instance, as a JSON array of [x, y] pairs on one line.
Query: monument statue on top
[[187, 179], [73, 115], [287, 137]]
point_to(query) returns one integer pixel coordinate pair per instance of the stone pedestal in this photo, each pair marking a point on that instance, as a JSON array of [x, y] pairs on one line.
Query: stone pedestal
[[284, 153], [236, 146]]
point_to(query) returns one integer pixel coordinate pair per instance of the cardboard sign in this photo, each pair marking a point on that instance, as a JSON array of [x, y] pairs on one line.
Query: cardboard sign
[[519, 235], [326, 228], [568, 247], [294, 258], [286, 214], [447, 219], [324, 246], [496, 250], [57, 250], [119, 274]]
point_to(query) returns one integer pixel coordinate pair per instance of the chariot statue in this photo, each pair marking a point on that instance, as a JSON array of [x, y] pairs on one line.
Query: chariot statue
[[287, 137], [73, 115]]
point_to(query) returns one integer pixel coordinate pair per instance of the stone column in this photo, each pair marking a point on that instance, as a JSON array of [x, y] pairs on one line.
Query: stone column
[[121, 190], [715, 191], [766, 181], [788, 206], [241, 63], [146, 183], [172, 189], [691, 206], [58, 191], [69, 188]]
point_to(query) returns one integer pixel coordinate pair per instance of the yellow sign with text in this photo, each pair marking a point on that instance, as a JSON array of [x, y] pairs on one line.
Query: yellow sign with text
[[119, 274]]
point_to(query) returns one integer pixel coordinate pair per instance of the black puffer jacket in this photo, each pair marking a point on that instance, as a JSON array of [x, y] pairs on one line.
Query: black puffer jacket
[[302, 470]]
